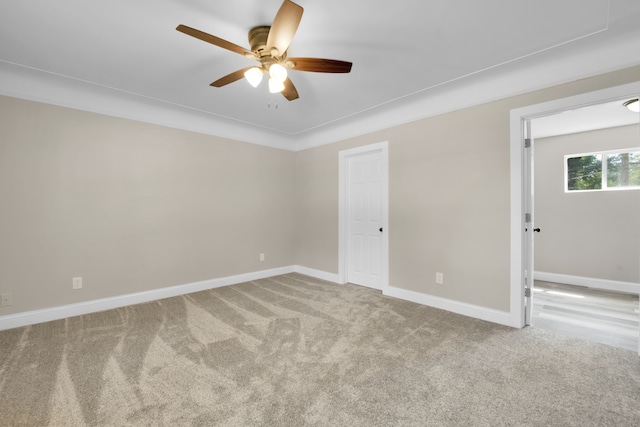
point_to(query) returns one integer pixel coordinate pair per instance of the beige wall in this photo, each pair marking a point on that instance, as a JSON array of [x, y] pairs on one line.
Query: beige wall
[[590, 234], [449, 198], [131, 206]]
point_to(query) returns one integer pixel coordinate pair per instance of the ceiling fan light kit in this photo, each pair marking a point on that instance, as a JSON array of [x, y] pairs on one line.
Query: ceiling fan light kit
[[278, 72], [275, 86], [253, 76], [269, 46]]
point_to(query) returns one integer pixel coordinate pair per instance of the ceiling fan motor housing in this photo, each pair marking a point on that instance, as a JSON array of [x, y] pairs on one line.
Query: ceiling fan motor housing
[[258, 40]]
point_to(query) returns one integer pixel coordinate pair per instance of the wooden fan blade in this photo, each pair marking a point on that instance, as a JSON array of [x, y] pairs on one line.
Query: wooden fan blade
[[230, 78], [214, 40], [284, 26], [289, 91], [320, 65]]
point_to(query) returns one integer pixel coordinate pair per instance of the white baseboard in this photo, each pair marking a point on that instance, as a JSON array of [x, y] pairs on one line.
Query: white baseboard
[[590, 282], [54, 313], [318, 274], [61, 312], [476, 311]]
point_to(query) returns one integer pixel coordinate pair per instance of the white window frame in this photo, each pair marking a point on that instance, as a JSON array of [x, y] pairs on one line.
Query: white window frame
[[603, 186]]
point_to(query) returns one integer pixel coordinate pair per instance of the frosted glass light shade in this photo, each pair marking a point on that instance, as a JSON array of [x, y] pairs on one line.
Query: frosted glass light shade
[[278, 72], [275, 86], [633, 105], [253, 76]]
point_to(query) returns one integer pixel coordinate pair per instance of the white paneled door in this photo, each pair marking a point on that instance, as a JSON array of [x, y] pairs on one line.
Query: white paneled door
[[365, 219], [529, 224]]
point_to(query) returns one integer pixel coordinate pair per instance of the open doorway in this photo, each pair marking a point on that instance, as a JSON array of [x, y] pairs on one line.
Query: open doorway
[[587, 201], [526, 217]]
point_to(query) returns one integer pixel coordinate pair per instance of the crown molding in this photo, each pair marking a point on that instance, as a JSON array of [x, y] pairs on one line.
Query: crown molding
[[556, 66], [36, 85], [529, 74]]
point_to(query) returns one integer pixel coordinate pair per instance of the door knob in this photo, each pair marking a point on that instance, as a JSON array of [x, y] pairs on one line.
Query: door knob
[[537, 230], [381, 229]]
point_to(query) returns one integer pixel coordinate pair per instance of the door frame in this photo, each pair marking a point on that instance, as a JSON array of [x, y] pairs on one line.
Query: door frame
[[343, 223], [518, 155]]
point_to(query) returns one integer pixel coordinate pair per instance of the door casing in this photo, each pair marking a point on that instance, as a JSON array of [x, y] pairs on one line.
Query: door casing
[[518, 157]]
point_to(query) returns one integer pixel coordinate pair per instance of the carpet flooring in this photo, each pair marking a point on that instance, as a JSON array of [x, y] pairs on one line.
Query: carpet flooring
[[296, 351]]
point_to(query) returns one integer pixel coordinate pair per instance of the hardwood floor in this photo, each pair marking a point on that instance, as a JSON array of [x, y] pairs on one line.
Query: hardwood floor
[[592, 314]]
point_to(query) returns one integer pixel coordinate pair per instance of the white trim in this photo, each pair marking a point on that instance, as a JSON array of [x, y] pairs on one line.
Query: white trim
[[342, 219], [318, 274], [590, 282], [471, 310], [517, 77], [517, 118], [86, 307], [560, 65], [342, 208], [35, 85], [517, 262], [478, 312]]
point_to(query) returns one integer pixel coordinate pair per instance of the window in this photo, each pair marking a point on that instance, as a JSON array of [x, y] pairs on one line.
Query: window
[[584, 172], [623, 169], [605, 170]]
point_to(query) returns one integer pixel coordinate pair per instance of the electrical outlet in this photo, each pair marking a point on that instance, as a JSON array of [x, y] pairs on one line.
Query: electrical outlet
[[76, 283], [261, 257], [439, 278], [6, 300]]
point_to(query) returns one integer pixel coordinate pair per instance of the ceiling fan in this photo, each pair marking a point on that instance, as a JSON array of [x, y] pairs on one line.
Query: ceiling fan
[[269, 46]]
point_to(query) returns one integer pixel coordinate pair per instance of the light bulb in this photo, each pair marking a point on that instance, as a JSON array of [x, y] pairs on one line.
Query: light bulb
[[275, 86], [633, 105], [253, 76], [278, 72]]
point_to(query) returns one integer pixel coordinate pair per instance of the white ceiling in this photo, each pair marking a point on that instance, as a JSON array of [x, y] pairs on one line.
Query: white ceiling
[[411, 59], [593, 117]]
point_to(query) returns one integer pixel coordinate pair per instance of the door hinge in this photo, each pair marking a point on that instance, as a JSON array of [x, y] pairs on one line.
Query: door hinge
[[527, 142], [527, 292], [527, 217]]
